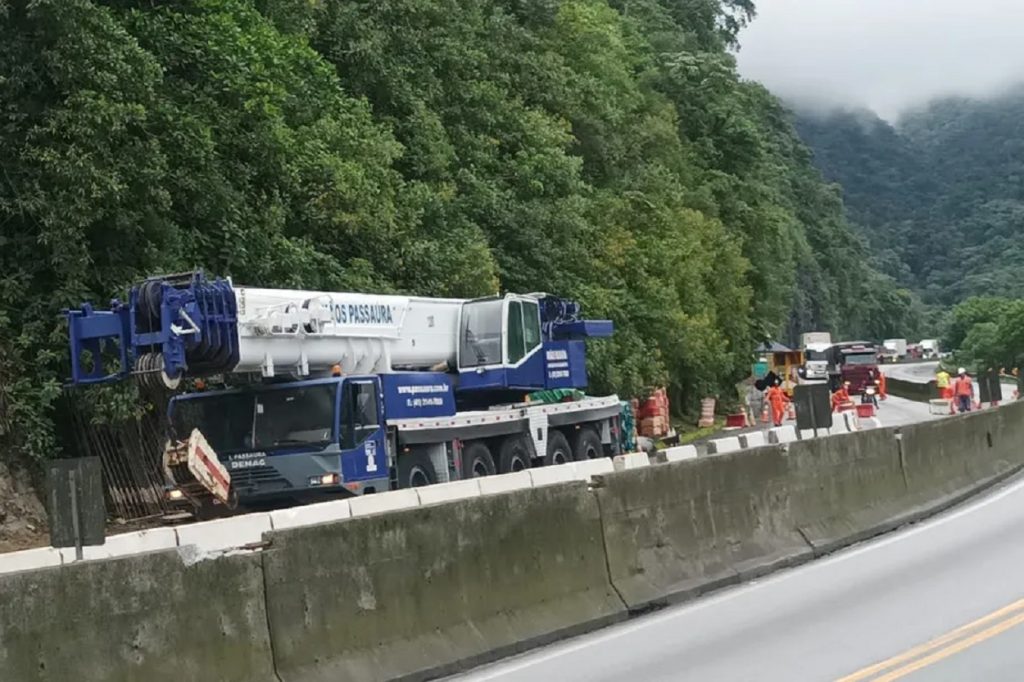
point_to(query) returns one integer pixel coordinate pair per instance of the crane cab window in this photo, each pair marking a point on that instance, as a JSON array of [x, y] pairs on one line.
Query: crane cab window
[[359, 413], [523, 329], [480, 338]]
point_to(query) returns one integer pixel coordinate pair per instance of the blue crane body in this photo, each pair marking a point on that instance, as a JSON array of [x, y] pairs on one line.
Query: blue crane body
[[344, 393]]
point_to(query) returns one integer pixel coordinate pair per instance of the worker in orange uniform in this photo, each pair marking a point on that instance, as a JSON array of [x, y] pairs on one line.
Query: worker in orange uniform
[[841, 397], [882, 392], [777, 399], [963, 389]]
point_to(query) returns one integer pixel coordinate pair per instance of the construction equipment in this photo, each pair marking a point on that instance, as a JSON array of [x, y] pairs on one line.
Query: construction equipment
[[346, 393]]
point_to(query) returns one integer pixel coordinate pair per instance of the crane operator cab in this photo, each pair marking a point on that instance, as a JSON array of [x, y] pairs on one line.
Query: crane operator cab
[[524, 343]]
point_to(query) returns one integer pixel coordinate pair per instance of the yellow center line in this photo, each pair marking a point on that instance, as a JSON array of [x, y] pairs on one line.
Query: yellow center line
[[936, 643], [953, 649]]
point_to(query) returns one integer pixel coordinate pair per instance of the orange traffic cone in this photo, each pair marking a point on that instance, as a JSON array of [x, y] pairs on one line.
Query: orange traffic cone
[[791, 412], [764, 414]]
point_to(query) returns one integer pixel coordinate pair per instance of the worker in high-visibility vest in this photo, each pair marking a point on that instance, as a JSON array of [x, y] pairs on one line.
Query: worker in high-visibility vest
[[882, 392], [945, 385], [963, 389], [777, 399]]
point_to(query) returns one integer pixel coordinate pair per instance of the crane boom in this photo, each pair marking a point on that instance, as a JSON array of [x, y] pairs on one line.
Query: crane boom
[[310, 331], [187, 325]]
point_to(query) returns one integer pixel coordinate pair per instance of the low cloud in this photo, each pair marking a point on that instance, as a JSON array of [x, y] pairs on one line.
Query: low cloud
[[888, 55]]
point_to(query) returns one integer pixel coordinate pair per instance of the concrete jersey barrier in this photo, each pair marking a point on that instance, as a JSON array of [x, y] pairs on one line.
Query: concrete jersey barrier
[[680, 529], [449, 583], [845, 488], [146, 617], [948, 457], [912, 390], [431, 590]]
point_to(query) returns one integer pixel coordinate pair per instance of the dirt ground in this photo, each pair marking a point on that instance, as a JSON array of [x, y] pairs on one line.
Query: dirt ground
[[22, 514]]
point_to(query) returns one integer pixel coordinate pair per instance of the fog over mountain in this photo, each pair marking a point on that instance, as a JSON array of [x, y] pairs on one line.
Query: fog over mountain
[[887, 55]]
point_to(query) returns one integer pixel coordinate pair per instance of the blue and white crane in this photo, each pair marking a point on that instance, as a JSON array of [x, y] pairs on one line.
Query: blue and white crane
[[347, 393]]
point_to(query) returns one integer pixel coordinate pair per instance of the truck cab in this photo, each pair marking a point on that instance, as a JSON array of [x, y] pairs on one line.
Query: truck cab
[[816, 361], [290, 440], [859, 367]]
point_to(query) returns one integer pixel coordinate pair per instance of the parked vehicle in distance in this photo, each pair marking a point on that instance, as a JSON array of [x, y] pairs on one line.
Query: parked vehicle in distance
[[894, 350], [930, 349], [815, 346]]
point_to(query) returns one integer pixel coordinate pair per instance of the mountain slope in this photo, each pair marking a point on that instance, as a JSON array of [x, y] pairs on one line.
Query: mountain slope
[[939, 195]]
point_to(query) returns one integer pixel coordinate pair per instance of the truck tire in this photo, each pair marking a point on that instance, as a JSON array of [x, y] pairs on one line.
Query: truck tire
[[559, 451], [588, 445], [513, 455], [415, 470], [477, 460]]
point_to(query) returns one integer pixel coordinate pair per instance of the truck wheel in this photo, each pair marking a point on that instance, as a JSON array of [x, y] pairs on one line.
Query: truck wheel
[[588, 445], [415, 470], [559, 451], [477, 460], [514, 455]]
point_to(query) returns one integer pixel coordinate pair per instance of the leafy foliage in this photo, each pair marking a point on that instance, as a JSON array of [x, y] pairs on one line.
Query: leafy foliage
[[602, 149], [988, 332]]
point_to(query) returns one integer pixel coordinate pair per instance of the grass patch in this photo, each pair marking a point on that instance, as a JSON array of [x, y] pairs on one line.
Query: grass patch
[[689, 434]]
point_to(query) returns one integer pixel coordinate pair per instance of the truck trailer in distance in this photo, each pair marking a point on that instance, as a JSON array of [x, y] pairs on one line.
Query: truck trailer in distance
[[894, 349]]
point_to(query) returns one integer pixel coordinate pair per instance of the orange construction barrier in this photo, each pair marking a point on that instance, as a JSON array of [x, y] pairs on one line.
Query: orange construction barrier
[[736, 421]]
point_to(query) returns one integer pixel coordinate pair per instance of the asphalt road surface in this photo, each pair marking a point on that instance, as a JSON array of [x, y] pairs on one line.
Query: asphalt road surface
[[939, 601], [894, 411]]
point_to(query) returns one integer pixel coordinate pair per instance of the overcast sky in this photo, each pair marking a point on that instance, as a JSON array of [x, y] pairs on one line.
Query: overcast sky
[[884, 54]]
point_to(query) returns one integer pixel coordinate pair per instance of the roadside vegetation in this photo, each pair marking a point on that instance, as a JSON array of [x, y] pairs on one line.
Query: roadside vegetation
[[601, 149]]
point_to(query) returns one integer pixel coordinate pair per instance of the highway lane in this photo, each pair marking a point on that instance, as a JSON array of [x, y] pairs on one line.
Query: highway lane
[[895, 411], [833, 619], [923, 372]]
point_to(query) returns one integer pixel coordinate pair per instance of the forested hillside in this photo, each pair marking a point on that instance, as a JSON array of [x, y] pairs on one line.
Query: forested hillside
[[940, 194], [601, 149]]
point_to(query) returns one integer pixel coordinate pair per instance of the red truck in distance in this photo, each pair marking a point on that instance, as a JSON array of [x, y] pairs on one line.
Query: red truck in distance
[[858, 365]]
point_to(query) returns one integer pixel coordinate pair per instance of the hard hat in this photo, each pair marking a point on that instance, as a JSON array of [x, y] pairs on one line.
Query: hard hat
[[961, 371]]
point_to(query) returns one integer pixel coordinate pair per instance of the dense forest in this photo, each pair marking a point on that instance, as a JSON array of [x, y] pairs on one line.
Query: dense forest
[[600, 149], [939, 193]]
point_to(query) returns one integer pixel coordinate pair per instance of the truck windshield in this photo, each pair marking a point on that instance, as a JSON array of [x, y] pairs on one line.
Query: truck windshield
[[860, 359], [258, 420], [815, 356], [480, 341]]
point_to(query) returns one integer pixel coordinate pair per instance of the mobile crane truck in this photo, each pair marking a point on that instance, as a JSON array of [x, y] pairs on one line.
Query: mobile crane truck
[[347, 393]]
